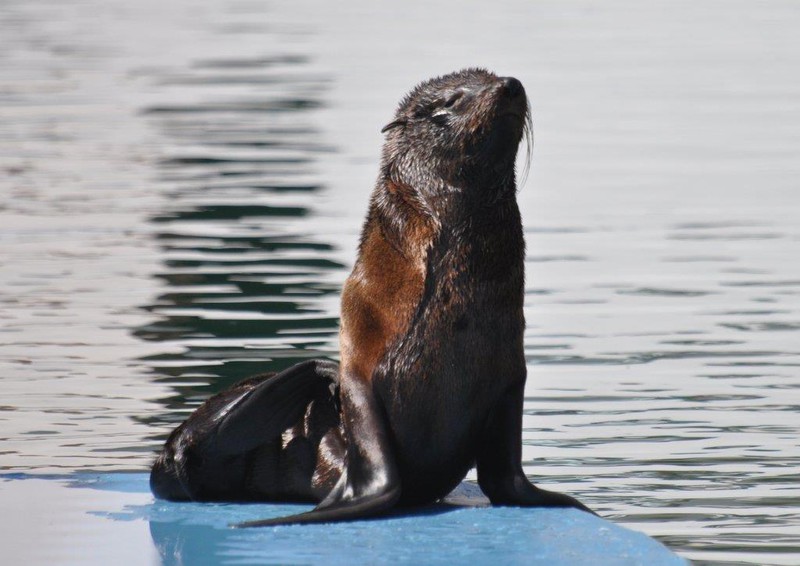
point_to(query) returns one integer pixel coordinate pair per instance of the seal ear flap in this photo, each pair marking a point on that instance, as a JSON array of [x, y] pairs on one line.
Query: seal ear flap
[[395, 124]]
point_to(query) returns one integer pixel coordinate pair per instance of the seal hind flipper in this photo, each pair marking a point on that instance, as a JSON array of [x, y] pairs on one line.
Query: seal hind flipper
[[370, 483], [273, 405], [224, 449]]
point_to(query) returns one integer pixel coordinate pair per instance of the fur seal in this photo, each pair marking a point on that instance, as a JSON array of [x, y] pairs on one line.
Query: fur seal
[[432, 371]]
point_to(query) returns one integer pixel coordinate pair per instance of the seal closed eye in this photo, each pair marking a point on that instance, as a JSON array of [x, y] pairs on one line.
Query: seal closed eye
[[432, 371]]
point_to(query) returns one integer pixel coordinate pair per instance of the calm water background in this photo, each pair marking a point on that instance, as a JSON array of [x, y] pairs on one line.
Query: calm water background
[[182, 185]]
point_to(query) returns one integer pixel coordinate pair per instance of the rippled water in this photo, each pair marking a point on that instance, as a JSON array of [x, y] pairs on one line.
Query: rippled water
[[182, 186]]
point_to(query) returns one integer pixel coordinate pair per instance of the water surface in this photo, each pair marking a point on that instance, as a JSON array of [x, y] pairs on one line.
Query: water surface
[[182, 188]]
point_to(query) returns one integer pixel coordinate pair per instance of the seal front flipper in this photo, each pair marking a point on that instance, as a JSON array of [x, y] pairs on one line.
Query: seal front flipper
[[367, 505], [227, 448], [370, 483], [499, 460]]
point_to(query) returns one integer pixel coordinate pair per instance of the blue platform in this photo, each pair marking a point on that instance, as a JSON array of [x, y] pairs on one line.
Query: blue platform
[[461, 531]]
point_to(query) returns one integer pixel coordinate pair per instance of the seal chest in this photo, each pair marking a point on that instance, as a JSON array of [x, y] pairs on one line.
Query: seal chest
[[432, 369]]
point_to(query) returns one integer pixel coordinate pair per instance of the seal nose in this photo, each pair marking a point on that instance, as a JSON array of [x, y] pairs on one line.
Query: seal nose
[[512, 87]]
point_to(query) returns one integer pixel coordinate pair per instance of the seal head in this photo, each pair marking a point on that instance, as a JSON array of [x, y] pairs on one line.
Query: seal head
[[460, 130]]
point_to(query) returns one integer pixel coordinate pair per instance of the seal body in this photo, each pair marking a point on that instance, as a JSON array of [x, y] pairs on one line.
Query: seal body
[[432, 369]]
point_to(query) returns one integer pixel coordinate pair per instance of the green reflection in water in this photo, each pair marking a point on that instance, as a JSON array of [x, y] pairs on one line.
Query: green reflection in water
[[245, 282]]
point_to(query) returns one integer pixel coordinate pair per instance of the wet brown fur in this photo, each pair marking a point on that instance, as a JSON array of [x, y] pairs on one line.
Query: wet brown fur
[[387, 282]]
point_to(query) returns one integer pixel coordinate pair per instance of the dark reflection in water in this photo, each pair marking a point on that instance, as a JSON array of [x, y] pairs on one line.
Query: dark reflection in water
[[244, 282]]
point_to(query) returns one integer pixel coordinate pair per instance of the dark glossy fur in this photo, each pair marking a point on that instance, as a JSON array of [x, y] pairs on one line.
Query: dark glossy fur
[[432, 368], [271, 437]]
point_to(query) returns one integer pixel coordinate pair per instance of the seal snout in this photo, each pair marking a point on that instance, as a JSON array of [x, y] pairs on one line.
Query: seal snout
[[511, 98], [511, 87]]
